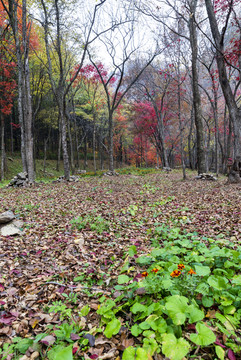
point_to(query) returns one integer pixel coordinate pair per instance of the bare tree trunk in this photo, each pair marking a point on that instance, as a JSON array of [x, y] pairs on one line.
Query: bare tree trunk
[[71, 147], [59, 147], [11, 129], [196, 93], [111, 147], [234, 110], [2, 146], [85, 153], [94, 140]]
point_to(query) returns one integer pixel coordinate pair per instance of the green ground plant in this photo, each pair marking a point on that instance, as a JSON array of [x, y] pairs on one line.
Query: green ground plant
[[180, 284]]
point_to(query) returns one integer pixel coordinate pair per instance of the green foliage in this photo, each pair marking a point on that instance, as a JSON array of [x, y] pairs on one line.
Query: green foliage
[[182, 280], [94, 223]]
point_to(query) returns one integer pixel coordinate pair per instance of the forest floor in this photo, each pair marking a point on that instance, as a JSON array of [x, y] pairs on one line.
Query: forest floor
[[78, 250]]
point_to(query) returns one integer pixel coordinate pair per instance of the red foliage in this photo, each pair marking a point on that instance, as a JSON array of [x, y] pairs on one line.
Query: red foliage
[[90, 73], [7, 86]]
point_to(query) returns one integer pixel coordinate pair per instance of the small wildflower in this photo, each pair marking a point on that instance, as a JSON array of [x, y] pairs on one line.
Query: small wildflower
[[144, 274], [154, 270], [191, 272], [181, 267], [175, 273]]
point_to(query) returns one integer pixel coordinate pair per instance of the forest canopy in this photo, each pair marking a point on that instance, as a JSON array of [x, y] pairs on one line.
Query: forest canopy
[[123, 82]]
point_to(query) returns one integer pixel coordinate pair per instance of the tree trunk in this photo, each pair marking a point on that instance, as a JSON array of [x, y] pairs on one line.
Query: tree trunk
[[111, 145], [71, 146], [195, 87], [234, 110], [2, 147], [59, 147]]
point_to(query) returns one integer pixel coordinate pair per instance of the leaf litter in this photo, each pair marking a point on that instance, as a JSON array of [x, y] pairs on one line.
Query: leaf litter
[[42, 266]]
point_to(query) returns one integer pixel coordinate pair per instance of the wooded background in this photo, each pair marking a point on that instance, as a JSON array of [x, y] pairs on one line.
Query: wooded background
[[154, 84]]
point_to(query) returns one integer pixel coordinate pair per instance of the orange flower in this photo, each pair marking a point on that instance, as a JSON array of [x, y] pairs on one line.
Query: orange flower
[[191, 272], [181, 266], [154, 270], [175, 273], [144, 274]]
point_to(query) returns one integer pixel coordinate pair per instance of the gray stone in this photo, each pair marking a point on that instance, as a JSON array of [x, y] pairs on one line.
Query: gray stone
[[10, 230], [6, 217], [22, 176]]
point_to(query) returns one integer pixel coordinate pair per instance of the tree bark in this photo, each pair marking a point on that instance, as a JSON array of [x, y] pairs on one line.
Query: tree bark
[[195, 87], [234, 110]]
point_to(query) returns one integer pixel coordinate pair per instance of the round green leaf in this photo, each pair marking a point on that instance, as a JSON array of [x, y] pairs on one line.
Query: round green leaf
[[129, 353], [137, 307], [195, 314], [207, 301], [218, 282], [177, 308], [112, 328], [202, 270], [65, 354], [135, 330], [173, 348], [141, 354], [123, 279], [204, 337]]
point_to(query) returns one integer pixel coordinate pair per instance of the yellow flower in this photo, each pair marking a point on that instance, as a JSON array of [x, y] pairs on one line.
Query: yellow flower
[[144, 274], [181, 266], [175, 273], [191, 272], [154, 270]]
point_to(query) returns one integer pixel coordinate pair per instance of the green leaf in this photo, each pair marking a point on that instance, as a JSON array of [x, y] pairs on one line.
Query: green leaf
[[202, 270], [132, 250], [173, 348], [236, 279], [141, 354], [54, 351], [123, 279], [125, 267], [65, 354], [218, 282], [85, 310], [135, 330], [112, 328], [144, 260], [23, 345], [207, 301], [195, 314], [177, 308], [220, 352], [137, 307], [129, 353], [204, 337], [144, 325]]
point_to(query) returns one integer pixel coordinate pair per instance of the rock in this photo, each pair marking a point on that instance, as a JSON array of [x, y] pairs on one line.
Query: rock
[[21, 179], [111, 173], [10, 230], [6, 217], [167, 169], [205, 176], [22, 176], [80, 172]]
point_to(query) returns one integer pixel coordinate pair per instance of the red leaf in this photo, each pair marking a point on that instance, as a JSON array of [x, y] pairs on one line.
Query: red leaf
[[231, 355]]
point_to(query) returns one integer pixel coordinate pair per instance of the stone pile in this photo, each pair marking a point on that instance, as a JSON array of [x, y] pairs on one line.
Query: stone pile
[[205, 176], [72, 178], [21, 179], [9, 225], [167, 169], [111, 173]]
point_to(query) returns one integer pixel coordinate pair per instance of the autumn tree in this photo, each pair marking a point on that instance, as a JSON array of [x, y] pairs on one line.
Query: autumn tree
[[21, 25]]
